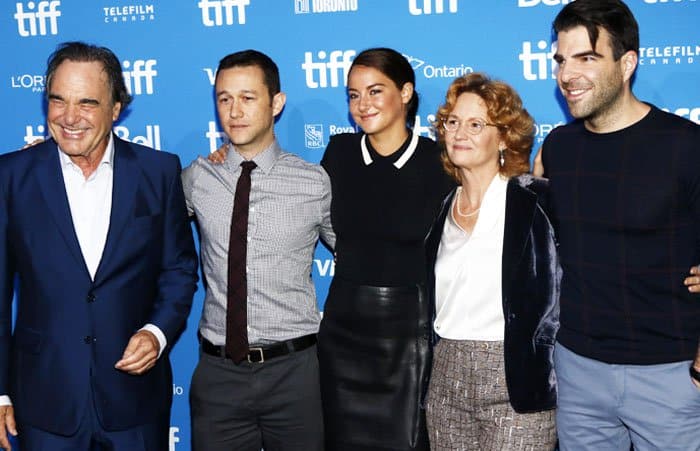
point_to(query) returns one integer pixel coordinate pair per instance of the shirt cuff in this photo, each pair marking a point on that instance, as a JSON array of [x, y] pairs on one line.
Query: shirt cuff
[[155, 330], [5, 401]]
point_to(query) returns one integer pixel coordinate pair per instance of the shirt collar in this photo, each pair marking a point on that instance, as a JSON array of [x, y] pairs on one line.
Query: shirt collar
[[407, 154], [107, 158], [265, 159]]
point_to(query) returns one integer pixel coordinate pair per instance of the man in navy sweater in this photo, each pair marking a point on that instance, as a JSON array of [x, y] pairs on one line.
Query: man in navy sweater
[[625, 187]]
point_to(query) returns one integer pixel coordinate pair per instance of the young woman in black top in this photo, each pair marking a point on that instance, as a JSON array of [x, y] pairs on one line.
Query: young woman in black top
[[387, 185]]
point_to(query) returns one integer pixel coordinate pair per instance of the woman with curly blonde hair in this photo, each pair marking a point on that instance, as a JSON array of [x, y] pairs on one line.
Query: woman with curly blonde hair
[[494, 279]]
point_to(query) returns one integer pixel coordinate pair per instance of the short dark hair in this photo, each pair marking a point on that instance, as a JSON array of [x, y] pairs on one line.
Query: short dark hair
[[249, 57], [612, 15], [83, 52], [394, 66]]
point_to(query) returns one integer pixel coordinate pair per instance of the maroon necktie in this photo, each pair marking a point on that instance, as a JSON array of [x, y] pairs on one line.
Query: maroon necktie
[[237, 293]]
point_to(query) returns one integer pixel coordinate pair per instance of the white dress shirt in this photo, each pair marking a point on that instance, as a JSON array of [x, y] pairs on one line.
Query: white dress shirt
[[468, 272]]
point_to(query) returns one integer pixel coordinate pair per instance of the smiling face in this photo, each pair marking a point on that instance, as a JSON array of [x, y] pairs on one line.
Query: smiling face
[[245, 110], [469, 152], [81, 110], [376, 104], [590, 80]]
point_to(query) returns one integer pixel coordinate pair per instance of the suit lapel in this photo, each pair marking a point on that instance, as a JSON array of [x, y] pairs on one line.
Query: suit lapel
[[50, 179], [124, 185], [520, 210]]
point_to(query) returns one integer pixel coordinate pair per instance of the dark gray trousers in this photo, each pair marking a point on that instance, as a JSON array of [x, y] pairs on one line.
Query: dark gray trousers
[[245, 407]]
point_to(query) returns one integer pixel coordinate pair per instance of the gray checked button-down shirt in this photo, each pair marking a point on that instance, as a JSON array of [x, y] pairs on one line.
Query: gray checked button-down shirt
[[289, 208]]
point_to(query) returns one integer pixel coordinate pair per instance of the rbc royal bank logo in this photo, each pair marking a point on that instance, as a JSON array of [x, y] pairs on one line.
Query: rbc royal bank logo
[[313, 136], [430, 6], [139, 75], [225, 11], [39, 18], [33, 82], [320, 71], [324, 6], [539, 64], [129, 13]]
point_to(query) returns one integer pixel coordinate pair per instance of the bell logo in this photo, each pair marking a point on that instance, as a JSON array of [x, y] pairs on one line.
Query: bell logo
[[150, 139], [538, 65], [34, 20], [141, 74], [439, 6], [221, 8], [339, 62]]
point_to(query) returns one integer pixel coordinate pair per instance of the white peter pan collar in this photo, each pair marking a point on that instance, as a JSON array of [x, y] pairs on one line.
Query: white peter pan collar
[[408, 153]]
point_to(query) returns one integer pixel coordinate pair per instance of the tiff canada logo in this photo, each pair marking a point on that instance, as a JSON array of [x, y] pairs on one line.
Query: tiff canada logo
[[35, 19], [222, 8], [141, 74]]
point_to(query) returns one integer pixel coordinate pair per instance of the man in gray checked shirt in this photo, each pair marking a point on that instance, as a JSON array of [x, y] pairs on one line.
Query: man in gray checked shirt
[[268, 395]]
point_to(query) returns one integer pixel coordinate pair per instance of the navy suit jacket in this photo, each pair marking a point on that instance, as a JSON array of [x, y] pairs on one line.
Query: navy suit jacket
[[531, 276], [71, 330]]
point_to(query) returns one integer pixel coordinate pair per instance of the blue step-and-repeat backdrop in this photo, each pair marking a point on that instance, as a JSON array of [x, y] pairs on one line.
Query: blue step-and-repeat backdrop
[[170, 49]]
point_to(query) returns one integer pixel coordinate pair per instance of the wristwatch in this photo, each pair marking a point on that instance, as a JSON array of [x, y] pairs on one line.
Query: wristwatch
[[695, 374]]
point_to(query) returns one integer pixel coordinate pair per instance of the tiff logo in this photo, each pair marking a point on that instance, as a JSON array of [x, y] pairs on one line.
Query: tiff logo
[[141, 73], [340, 60], [219, 7], [428, 6], [538, 65], [37, 14]]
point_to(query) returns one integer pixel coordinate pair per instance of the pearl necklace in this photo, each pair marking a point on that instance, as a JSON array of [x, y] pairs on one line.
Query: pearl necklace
[[459, 211]]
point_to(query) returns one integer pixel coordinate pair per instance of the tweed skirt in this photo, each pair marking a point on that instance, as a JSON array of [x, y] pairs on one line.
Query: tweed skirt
[[468, 408]]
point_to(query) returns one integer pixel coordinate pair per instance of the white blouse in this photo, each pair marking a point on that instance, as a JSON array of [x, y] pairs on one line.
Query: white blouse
[[468, 272]]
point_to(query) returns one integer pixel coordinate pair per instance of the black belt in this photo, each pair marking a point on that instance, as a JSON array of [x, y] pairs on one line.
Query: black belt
[[259, 354]]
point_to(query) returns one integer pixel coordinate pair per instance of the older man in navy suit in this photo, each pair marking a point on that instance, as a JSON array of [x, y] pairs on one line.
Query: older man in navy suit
[[95, 239]]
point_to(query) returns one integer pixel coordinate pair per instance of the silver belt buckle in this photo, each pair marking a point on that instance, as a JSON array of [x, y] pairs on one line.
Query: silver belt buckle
[[259, 351]]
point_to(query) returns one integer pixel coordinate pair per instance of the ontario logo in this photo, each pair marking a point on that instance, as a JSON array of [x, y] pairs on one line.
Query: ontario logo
[[432, 71]]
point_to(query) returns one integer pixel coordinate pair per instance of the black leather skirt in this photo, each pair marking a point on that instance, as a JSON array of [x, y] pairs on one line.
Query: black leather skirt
[[374, 359]]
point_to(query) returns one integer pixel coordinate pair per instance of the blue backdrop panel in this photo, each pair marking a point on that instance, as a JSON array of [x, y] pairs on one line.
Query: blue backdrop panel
[[169, 52]]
